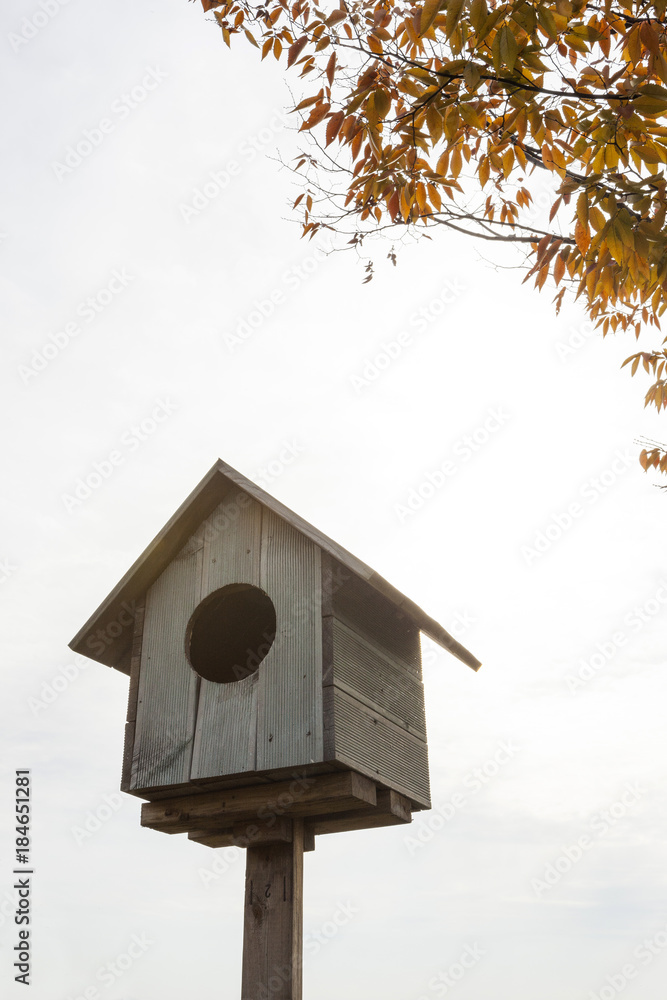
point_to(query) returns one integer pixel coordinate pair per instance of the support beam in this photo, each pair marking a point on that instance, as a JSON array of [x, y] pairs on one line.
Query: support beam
[[218, 811], [273, 920]]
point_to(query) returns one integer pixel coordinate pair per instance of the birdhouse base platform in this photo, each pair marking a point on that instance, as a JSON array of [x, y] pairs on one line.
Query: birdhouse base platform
[[264, 814]]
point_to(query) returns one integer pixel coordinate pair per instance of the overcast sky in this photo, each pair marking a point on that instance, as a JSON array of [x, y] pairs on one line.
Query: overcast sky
[[440, 422]]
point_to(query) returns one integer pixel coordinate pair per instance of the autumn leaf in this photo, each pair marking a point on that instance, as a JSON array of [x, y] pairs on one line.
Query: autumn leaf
[[333, 126], [296, 49], [316, 116], [439, 102], [428, 14]]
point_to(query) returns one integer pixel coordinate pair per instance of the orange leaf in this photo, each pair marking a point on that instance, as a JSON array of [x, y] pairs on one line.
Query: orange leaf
[[331, 67], [316, 116], [559, 269], [333, 126], [295, 50]]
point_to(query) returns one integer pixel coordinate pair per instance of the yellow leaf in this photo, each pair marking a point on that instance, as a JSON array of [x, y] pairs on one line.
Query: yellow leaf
[[547, 158], [478, 14], [581, 237], [597, 219], [650, 107], [454, 11], [484, 170], [547, 21], [582, 209], [434, 123], [559, 269], [509, 49], [434, 195], [508, 162], [442, 164], [382, 103], [429, 13]]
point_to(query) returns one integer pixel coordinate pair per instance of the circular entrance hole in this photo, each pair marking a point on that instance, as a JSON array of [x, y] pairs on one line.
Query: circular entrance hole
[[230, 633]]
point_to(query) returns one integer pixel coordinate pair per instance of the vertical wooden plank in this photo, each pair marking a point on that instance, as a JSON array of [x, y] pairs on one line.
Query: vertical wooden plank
[[225, 736], [133, 694], [226, 733], [167, 684], [328, 709], [289, 724], [232, 543], [273, 920]]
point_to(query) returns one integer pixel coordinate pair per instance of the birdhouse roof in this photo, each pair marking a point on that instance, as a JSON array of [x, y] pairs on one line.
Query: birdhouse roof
[[117, 607]]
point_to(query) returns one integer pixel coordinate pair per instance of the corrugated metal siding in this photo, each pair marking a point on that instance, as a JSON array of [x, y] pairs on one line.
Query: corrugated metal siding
[[225, 740], [371, 615], [232, 537], [167, 684], [198, 729], [378, 680], [226, 737], [289, 724], [381, 749]]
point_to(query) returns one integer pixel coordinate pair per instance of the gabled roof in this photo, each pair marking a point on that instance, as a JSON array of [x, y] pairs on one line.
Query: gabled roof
[[107, 635]]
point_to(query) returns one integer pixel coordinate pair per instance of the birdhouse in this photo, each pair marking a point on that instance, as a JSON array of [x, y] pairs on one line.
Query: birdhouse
[[259, 649], [275, 695]]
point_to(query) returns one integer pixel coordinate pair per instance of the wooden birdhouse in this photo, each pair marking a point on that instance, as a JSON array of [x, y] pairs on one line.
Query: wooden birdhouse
[[272, 674]]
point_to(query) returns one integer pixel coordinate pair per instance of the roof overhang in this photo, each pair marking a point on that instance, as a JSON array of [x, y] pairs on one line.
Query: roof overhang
[[107, 635]]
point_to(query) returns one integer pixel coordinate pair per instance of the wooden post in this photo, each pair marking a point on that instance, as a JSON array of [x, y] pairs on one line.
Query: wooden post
[[273, 919]]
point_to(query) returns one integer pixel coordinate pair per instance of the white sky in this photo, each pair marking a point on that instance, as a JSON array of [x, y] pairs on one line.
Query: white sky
[[563, 435]]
